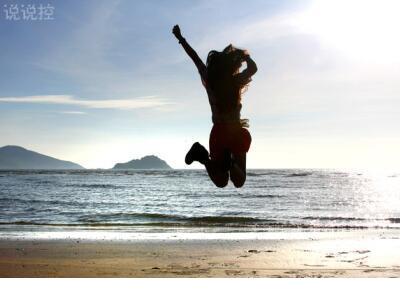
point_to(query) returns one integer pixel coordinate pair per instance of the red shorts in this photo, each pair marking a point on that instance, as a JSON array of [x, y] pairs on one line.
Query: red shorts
[[228, 136]]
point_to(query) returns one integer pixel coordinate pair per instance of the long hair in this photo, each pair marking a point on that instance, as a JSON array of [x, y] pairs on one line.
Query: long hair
[[221, 68]]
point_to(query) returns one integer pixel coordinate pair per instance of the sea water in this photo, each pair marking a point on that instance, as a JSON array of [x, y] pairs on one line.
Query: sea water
[[165, 201]]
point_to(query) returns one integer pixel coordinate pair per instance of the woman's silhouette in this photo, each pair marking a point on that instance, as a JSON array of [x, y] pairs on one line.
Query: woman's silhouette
[[229, 139]]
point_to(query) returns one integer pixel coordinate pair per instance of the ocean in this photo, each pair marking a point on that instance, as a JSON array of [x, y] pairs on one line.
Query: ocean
[[186, 200]]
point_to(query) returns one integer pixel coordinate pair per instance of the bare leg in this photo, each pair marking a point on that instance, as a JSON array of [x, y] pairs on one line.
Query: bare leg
[[215, 168], [238, 170], [217, 175]]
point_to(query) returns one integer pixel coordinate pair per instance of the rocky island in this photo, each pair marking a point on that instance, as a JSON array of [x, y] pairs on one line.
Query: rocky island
[[146, 162]]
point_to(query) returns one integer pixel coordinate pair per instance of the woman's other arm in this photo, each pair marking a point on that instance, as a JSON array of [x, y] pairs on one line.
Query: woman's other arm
[[244, 77]]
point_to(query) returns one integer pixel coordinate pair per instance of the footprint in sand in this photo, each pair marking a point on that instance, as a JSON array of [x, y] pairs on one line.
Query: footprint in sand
[[253, 251], [232, 272], [354, 260], [362, 251]]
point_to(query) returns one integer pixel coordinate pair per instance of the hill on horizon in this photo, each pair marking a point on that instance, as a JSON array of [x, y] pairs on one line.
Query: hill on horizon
[[16, 157], [146, 162]]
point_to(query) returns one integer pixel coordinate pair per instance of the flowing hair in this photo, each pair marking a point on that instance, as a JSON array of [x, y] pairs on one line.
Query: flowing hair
[[221, 69]]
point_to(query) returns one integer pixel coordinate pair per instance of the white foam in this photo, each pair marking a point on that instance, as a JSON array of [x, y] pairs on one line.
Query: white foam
[[100, 235]]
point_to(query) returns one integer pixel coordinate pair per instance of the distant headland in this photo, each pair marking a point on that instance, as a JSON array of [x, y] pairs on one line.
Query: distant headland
[[19, 158], [146, 162], [16, 157]]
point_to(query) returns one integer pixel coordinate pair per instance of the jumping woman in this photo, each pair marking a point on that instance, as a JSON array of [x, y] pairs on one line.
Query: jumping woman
[[229, 138]]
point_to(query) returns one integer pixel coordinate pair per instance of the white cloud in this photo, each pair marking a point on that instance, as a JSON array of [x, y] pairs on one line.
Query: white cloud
[[73, 112], [255, 33], [126, 104]]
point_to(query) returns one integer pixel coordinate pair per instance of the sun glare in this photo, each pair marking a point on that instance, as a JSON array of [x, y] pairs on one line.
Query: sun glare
[[365, 30]]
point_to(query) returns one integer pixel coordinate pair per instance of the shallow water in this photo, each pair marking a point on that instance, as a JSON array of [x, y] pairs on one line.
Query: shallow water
[[161, 200]]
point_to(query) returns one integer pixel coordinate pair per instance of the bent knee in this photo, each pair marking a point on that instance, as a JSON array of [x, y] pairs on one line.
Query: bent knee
[[221, 184]]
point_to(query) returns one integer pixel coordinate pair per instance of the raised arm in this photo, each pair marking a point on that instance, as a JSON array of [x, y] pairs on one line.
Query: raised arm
[[244, 77], [201, 67]]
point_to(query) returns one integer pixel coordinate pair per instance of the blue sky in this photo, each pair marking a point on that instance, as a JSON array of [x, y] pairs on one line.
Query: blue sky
[[106, 81]]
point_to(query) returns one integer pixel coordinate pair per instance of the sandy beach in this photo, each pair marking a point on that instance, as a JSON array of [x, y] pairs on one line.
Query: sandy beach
[[325, 254]]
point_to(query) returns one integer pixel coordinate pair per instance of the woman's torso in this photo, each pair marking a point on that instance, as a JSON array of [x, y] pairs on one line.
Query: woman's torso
[[231, 115], [227, 116]]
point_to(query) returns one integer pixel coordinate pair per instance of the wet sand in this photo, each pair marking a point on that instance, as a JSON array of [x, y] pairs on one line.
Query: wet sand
[[336, 254]]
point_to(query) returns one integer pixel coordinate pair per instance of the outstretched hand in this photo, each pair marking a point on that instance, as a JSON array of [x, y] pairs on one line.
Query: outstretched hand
[[177, 32]]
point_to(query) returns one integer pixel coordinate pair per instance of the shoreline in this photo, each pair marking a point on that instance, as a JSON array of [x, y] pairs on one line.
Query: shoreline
[[29, 232], [361, 253]]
